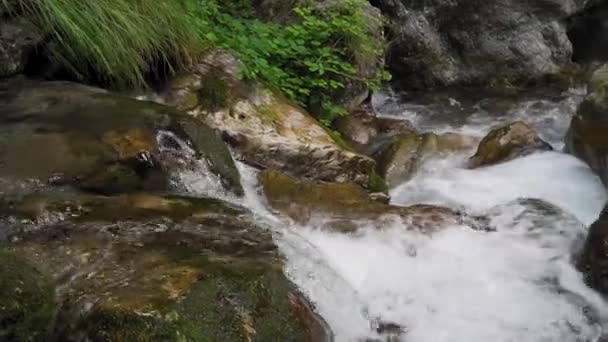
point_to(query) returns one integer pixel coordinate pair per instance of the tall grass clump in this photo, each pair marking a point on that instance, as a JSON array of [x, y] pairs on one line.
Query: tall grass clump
[[116, 40]]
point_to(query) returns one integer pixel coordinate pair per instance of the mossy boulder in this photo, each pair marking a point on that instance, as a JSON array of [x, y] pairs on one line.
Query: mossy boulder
[[400, 160], [27, 300], [342, 206], [586, 137], [143, 267], [506, 143], [70, 133], [265, 128]]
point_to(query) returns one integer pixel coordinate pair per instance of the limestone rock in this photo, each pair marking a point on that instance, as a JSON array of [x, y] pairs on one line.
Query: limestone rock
[[265, 128]]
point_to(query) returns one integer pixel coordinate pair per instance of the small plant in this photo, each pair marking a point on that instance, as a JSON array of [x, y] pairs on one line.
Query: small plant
[[309, 60]]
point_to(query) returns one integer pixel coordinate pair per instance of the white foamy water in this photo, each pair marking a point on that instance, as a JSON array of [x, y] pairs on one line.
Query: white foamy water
[[516, 283], [555, 177]]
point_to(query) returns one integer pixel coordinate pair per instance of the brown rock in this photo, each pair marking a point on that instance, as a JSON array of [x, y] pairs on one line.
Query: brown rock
[[264, 127], [506, 143]]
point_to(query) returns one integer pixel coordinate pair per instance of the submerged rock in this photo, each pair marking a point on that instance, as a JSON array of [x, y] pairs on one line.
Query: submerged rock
[[399, 162], [478, 42], [506, 143], [68, 133], [341, 205], [265, 128], [587, 138], [153, 268]]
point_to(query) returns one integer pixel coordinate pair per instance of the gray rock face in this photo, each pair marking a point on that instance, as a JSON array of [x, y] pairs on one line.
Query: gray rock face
[[18, 37], [478, 42], [587, 138]]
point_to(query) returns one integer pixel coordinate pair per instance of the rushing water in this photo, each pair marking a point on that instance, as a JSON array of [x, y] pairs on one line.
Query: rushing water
[[516, 283]]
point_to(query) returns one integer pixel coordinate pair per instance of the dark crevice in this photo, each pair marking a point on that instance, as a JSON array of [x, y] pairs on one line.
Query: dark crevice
[[588, 32]]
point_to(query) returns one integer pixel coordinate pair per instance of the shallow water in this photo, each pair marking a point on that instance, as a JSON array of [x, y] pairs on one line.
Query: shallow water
[[515, 283]]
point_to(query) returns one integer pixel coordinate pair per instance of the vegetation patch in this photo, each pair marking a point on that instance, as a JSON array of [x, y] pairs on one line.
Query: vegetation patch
[[120, 42]]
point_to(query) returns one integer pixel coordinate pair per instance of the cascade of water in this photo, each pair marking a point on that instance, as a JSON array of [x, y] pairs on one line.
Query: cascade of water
[[516, 283]]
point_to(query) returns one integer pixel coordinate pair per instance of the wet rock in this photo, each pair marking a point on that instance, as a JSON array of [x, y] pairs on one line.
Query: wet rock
[[142, 267], [18, 38], [491, 43], [264, 127], [399, 162], [586, 137], [27, 303], [68, 133], [506, 143], [341, 205], [368, 133], [593, 261]]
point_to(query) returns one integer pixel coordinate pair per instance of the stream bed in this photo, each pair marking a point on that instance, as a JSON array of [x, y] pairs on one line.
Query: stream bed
[[514, 282]]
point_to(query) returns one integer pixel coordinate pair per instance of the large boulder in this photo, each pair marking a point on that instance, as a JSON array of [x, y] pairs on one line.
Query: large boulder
[[506, 143], [342, 206], [593, 261], [264, 127], [142, 267], [478, 42], [68, 133], [18, 38], [587, 138], [398, 163]]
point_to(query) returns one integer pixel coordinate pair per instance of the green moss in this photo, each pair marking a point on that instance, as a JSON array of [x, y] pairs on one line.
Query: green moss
[[214, 93], [27, 305], [376, 183]]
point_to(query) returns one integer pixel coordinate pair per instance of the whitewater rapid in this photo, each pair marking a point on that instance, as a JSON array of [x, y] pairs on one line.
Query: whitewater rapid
[[515, 283]]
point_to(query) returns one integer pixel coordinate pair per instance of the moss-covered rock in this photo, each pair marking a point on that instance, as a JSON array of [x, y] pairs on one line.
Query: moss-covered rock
[[264, 127], [506, 143], [70, 133], [27, 300], [400, 160], [142, 267], [587, 138], [342, 205]]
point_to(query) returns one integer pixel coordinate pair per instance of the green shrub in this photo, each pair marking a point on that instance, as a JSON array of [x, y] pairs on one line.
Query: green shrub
[[120, 41]]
